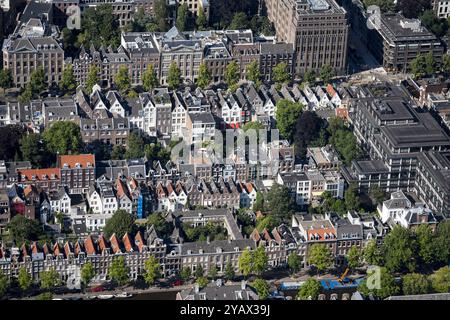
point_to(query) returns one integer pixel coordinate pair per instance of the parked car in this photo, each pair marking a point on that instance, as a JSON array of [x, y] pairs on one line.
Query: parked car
[[177, 283], [98, 288]]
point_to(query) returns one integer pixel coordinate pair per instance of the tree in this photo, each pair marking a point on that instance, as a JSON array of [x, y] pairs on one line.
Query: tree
[[287, 114], [426, 244], [21, 228], [384, 5], [87, 273], [118, 271], [446, 63], [161, 226], [229, 271], [120, 223], [253, 73], [262, 288], [387, 286], [174, 76], [294, 262], [26, 95], [306, 130], [377, 194], [92, 78], [37, 81], [63, 137], [442, 245], [50, 279], [160, 8], [414, 283], [260, 260], [240, 21], [149, 78], [24, 279], [399, 250], [280, 202], [320, 256], [231, 75], [430, 64], [135, 148], [212, 273], [44, 296], [326, 73], [371, 253], [258, 205], [182, 15], [33, 149], [281, 74], [185, 273], [204, 76], [100, 27], [122, 79], [6, 80], [245, 262], [309, 76], [4, 284], [419, 66], [343, 140], [201, 21], [152, 270], [202, 282], [309, 290], [68, 82], [199, 271], [354, 257], [118, 152], [440, 280], [352, 201], [438, 26]]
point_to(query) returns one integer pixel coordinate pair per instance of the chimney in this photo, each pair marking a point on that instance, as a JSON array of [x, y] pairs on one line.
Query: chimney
[[243, 285]]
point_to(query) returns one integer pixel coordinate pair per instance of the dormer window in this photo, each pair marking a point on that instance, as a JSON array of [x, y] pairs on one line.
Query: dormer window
[[65, 166], [77, 165]]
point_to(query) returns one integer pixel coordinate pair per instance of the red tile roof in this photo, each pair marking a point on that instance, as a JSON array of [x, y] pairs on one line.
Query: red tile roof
[[139, 241], [56, 249], [115, 245], [89, 245], [127, 242], [321, 233], [39, 174], [84, 160], [67, 249], [34, 247], [102, 244]]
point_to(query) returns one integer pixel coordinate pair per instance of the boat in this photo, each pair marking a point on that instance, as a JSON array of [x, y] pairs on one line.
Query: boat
[[91, 297], [105, 296], [123, 295], [57, 299]]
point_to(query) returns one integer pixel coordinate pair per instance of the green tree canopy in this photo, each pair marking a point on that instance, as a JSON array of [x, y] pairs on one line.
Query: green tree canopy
[[119, 271], [287, 114], [320, 256], [440, 280], [326, 73], [212, 272], [354, 257], [232, 75], [281, 74], [182, 17], [93, 78], [204, 76], [426, 244], [309, 290], [202, 281], [37, 81], [199, 271], [294, 262], [122, 79], [21, 228], [120, 223], [306, 130], [135, 146], [174, 76], [385, 5], [253, 73], [309, 76], [4, 284], [442, 245], [352, 201], [399, 250], [414, 283], [387, 286], [245, 262], [6, 80], [149, 78], [33, 149], [63, 137], [161, 13], [201, 21], [280, 202], [240, 21], [152, 270], [161, 226], [372, 254], [260, 260], [100, 27], [68, 82], [229, 271], [50, 279], [24, 278], [258, 205], [185, 273], [87, 273], [262, 288]]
